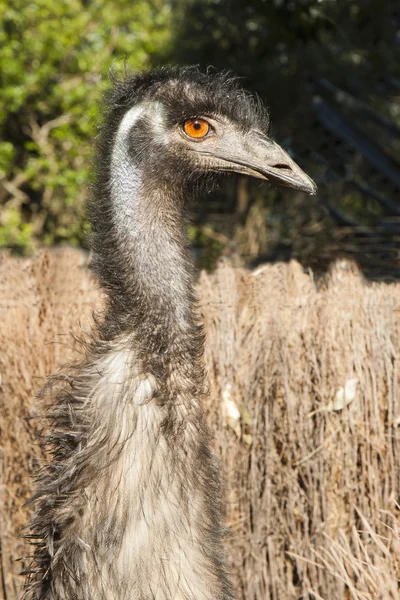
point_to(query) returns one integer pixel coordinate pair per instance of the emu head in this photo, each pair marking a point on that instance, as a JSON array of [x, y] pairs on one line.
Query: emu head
[[179, 124]]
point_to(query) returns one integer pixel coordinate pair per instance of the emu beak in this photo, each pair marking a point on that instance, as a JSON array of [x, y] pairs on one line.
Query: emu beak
[[258, 156]]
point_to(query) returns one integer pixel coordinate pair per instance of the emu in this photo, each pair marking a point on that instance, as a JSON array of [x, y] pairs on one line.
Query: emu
[[128, 506]]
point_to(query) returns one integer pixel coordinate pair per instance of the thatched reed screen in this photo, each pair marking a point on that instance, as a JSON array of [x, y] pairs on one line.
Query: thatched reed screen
[[304, 402]]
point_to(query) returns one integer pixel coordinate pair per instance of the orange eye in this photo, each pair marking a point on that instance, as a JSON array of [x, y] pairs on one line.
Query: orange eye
[[196, 128]]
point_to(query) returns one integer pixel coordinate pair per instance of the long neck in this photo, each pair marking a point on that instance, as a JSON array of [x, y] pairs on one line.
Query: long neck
[[142, 258], [130, 505]]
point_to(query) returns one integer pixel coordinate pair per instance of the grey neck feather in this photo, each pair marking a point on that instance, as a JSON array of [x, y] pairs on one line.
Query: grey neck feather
[[150, 228]]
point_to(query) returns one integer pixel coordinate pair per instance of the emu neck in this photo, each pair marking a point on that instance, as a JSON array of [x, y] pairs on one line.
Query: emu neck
[[151, 244], [142, 258]]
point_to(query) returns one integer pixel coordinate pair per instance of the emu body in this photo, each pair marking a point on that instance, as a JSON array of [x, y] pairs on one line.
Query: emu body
[[128, 507]]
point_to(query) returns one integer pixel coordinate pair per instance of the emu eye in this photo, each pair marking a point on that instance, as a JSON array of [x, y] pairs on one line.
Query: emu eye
[[196, 128]]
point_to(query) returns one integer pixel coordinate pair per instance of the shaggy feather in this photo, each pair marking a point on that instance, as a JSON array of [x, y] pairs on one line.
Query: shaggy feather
[[128, 507]]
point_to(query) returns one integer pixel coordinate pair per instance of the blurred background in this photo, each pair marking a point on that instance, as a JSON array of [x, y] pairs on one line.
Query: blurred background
[[328, 70]]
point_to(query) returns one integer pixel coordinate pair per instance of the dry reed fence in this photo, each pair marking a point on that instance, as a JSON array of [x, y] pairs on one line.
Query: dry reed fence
[[304, 403]]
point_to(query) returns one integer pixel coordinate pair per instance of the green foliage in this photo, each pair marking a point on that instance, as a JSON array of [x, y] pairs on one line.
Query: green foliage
[[53, 57], [13, 232]]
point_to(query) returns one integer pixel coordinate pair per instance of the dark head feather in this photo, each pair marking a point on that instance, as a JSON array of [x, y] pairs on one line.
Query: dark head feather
[[187, 92]]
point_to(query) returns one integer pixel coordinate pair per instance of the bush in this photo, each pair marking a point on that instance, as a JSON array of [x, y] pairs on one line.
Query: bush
[[53, 57]]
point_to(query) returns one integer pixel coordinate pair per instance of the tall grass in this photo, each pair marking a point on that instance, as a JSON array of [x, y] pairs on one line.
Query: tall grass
[[304, 402]]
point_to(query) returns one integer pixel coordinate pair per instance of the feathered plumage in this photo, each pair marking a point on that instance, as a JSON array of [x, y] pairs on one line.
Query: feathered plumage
[[128, 507]]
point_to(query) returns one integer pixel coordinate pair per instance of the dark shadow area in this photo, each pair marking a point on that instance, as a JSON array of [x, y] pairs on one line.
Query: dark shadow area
[[330, 73]]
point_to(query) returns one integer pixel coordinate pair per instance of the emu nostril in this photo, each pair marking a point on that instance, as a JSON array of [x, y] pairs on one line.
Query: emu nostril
[[281, 166]]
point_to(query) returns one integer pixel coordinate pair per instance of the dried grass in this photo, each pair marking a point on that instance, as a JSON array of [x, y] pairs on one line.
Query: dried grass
[[311, 493], [41, 301]]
